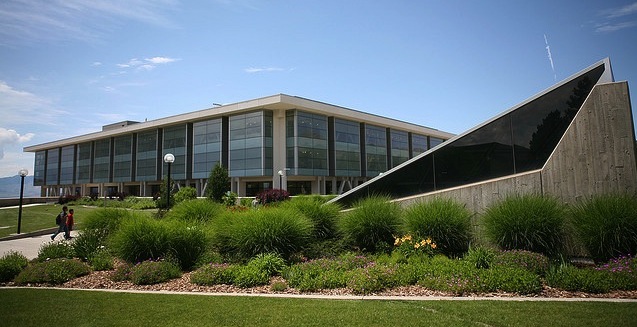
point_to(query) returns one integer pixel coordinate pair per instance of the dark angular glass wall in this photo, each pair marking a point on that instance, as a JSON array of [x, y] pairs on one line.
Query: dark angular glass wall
[[517, 141]]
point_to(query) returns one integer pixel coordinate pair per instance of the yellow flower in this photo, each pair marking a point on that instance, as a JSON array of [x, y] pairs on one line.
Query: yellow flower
[[433, 245], [417, 245], [407, 237], [397, 242], [428, 241]]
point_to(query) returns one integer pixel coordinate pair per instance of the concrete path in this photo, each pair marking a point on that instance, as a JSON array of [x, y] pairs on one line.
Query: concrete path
[[29, 244]]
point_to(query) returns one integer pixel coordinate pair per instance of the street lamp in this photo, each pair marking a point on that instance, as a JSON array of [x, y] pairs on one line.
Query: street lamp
[[281, 179], [23, 172], [169, 158]]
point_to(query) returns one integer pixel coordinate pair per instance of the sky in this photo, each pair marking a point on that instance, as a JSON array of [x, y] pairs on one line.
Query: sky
[[68, 67]]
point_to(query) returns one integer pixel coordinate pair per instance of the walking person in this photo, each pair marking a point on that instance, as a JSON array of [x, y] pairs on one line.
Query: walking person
[[60, 220], [69, 224]]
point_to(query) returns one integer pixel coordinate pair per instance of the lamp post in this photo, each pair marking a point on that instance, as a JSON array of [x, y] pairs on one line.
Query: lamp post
[[23, 172], [169, 158], [281, 179]]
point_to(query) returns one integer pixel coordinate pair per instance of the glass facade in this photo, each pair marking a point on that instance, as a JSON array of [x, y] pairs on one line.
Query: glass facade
[[347, 149], [375, 150], [122, 158], [518, 141], [175, 143], [433, 142], [52, 166], [399, 147], [146, 158], [39, 168], [250, 144], [83, 163], [418, 144], [66, 165], [206, 147], [306, 143], [102, 161]]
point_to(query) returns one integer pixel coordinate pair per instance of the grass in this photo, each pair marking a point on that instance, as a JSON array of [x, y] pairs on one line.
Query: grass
[[36, 218], [90, 308]]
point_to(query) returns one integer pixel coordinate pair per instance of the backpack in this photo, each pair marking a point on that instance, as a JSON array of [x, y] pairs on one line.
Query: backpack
[[58, 219]]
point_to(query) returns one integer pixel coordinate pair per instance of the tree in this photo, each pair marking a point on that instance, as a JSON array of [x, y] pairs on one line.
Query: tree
[[218, 183]]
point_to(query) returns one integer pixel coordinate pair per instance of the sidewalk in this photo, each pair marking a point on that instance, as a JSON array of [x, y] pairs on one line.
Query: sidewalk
[[29, 243]]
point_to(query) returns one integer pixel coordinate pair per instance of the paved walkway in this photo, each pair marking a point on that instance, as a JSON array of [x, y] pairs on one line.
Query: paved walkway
[[29, 243]]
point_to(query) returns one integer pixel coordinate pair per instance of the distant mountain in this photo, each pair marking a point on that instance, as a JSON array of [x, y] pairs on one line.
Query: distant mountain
[[10, 187]]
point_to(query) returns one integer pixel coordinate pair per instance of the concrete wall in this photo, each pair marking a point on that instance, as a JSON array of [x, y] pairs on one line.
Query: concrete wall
[[595, 156]]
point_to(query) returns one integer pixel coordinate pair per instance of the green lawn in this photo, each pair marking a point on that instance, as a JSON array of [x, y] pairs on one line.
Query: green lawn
[[35, 218], [41, 307]]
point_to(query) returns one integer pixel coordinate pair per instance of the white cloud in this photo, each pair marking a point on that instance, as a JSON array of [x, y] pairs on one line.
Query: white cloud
[[11, 137], [87, 20], [607, 28], [612, 16], [97, 63], [620, 12], [252, 70], [146, 64]]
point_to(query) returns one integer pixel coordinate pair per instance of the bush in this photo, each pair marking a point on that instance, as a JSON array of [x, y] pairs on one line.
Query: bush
[[272, 196], [444, 220], [480, 257], [272, 230], [527, 222], [570, 278], [11, 264], [195, 211], [218, 183], [90, 241], [250, 276], [185, 193], [56, 271], [607, 226], [101, 260], [153, 272], [214, 274], [409, 246], [106, 219], [55, 250], [141, 239], [536, 263], [372, 224], [186, 244], [369, 279], [323, 215], [323, 273]]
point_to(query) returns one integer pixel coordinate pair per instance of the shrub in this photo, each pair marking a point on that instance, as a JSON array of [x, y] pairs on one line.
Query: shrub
[[214, 274], [55, 250], [480, 257], [323, 273], [278, 286], [186, 244], [185, 193], [570, 278], [369, 279], [372, 224], [271, 263], [229, 199], [107, 219], [218, 183], [89, 242], [56, 271], [141, 239], [607, 226], [139, 203], [272, 230], [11, 264], [250, 276], [196, 211], [527, 222], [153, 272], [101, 260], [273, 196], [323, 215], [536, 263], [444, 220]]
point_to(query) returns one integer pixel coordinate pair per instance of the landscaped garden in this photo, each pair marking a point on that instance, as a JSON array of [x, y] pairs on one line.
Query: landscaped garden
[[522, 246]]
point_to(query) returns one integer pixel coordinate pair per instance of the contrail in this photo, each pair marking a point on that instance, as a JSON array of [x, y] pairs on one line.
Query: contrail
[[548, 51]]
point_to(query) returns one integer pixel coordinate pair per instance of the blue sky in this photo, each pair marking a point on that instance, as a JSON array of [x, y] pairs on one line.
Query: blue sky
[[67, 67]]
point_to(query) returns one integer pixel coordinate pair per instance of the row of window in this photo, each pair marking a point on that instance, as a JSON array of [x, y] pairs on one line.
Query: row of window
[[139, 156]]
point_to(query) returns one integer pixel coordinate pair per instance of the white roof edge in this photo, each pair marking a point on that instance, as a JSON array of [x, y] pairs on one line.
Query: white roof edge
[[253, 104]]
